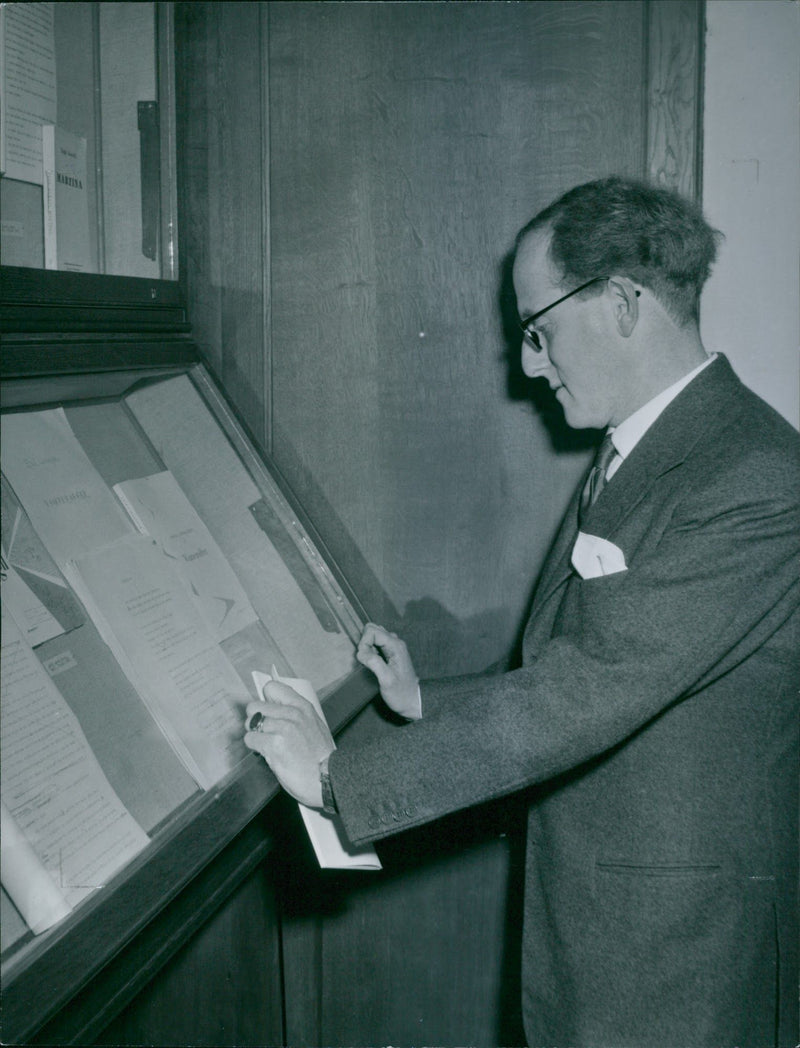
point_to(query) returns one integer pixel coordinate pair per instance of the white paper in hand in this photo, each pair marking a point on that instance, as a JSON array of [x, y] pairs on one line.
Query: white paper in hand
[[326, 832]]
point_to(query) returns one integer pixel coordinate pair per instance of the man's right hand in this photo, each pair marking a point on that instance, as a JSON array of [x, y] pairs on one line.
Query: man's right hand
[[387, 656]]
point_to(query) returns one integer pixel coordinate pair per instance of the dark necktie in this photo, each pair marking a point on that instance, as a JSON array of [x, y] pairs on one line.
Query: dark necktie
[[596, 480]]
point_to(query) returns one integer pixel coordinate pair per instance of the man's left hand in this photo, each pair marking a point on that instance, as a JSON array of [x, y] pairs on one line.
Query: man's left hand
[[293, 739]]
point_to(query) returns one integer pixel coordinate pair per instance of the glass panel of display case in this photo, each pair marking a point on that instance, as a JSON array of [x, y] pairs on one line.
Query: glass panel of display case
[[150, 566], [87, 138]]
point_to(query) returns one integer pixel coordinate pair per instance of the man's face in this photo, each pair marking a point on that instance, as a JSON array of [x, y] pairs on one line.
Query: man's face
[[577, 349]]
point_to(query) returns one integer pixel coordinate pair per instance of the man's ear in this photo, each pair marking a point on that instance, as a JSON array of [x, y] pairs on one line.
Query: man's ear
[[625, 304]]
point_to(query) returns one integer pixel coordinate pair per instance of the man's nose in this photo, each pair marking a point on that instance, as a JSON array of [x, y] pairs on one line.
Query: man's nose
[[535, 363]]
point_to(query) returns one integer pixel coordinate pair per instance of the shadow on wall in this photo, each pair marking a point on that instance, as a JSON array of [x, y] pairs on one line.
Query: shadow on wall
[[440, 642]]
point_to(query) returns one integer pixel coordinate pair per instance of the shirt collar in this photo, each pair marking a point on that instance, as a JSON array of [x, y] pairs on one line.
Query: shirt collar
[[627, 434]]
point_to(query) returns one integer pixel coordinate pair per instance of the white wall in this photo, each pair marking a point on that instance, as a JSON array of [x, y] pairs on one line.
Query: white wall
[[751, 168]]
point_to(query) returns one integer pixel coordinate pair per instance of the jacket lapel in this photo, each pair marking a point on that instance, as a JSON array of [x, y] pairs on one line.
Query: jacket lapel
[[686, 420], [664, 446]]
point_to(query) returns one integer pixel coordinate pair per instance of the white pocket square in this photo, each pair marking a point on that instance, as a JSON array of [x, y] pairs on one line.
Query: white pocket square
[[593, 557]]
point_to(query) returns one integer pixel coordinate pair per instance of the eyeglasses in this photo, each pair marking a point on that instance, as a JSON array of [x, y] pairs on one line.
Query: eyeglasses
[[530, 333]]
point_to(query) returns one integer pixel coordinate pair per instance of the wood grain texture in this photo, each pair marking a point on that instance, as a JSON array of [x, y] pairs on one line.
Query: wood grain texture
[[408, 144], [674, 93], [426, 952], [223, 226], [208, 994]]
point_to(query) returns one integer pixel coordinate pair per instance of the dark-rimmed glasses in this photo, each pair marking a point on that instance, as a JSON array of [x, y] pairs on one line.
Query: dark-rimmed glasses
[[529, 333]]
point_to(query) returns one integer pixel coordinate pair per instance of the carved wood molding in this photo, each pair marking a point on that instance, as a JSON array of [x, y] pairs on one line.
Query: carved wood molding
[[674, 41]]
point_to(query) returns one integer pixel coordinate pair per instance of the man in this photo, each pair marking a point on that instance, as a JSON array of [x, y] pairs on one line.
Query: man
[[656, 708]]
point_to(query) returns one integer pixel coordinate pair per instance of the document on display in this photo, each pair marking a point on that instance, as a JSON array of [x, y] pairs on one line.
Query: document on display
[[148, 618], [32, 617], [34, 590], [68, 502], [216, 482], [158, 508], [28, 92], [56, 797]]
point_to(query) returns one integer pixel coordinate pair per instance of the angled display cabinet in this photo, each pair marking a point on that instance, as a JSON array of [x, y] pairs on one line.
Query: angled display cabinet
[[156, 563], [152, 559]]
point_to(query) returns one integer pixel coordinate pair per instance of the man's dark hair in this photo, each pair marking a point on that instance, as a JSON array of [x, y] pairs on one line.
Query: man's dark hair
[[630, 228]]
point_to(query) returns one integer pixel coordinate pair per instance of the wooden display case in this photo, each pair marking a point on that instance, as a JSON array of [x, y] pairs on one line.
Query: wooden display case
[[66, 983], [87, 342]]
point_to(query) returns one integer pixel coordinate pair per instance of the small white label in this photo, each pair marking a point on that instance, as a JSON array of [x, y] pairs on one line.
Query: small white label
[[65, 660]]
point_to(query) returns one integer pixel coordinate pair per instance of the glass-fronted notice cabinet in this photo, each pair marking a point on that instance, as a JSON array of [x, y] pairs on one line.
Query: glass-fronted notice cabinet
[[152, 557], [151, 564], [87, 139]]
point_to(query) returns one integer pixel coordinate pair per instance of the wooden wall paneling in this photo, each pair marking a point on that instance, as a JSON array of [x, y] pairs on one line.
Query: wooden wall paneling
[[223, 988], [426, 952], [402, 146], [401, 988], [222, 131], [408, 144], [674, 97]]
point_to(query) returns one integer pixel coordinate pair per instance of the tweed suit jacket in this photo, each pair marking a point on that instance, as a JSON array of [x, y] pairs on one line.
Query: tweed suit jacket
[[654, 727]]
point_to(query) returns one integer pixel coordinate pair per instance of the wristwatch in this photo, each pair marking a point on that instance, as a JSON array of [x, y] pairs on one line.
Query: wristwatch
[[328, 800]]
